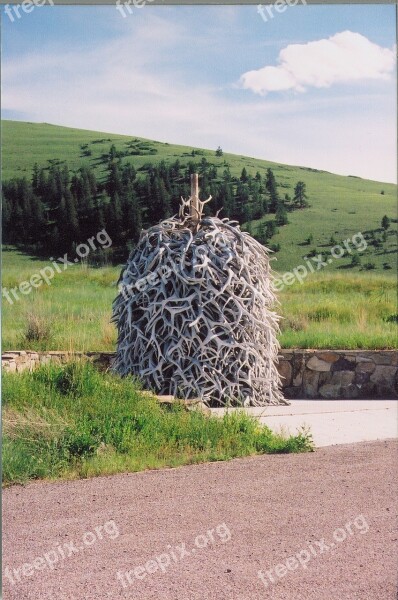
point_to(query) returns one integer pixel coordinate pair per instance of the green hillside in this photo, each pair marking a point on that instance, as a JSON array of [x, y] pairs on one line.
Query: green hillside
[[339, 206]]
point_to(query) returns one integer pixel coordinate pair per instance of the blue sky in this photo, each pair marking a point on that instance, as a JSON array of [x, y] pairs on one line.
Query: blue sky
[[313, 86]]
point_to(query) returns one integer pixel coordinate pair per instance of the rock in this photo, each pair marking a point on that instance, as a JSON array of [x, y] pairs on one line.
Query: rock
[[285, 355], [365, 367], [292, 392], [197, 405], [367, 391], [383, 358], [324, 377], [349, 391], [310, 383], [165, 399], [297, 381], [285, 371], [361, 377], [330, 391], [9, 366], [318, 365], [360, 358], [343, 365], [330, 357], [298, 364], [342, 377], [384, 375], [21, 366]]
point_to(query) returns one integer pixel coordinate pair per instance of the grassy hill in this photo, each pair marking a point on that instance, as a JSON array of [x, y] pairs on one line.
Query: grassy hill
[[339, 206]]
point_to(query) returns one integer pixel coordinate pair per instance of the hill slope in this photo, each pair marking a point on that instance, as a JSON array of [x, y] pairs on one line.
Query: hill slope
[[339, 206]]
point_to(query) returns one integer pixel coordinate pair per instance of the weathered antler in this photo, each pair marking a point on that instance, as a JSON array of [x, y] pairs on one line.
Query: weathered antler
[[194, 313]]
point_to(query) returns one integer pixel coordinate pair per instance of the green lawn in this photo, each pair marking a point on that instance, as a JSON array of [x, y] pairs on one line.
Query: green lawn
[[328, 310], [72, 421]]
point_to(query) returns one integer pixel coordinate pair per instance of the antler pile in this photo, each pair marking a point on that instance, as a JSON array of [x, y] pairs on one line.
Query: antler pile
[[205, 328]]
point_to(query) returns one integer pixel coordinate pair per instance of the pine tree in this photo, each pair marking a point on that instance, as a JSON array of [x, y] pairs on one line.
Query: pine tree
[[281, 215], [385, 223], [72, 218], [35, 179], [272, 189], [300, 195], [243, 177]]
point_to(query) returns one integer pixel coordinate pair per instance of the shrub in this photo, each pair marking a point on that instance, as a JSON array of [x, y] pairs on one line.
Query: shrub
[[37, 328], [309, 239], [369, 266], [275, 247]]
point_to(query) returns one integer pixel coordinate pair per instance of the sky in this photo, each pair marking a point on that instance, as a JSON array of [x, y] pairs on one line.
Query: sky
[[313, 86]]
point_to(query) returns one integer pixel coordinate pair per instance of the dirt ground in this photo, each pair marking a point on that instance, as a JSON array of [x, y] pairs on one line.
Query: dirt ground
[[317, 526]]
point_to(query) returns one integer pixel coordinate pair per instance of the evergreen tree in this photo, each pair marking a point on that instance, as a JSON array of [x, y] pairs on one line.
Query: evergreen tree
[[35, 179], [272, 189], [281, 215], [42, 184], [243, 177], [300, 195], [385, 222]]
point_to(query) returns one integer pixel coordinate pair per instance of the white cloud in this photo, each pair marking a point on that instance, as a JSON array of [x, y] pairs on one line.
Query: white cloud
[[131, 85], [346, 57]]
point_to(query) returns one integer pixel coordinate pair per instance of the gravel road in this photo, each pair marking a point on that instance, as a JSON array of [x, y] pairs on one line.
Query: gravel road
[[318, 526]]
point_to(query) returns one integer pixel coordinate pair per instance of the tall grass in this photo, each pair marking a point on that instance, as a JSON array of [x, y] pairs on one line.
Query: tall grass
[[72, 421], [340, 311], [335, 310]]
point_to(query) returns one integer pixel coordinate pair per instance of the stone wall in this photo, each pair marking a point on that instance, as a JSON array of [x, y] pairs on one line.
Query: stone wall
[[324, 374], [334, 374]]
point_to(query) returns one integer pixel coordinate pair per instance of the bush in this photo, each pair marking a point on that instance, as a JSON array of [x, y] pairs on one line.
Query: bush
[[37, 328], [369, 266], [275, 247], [391, 319]]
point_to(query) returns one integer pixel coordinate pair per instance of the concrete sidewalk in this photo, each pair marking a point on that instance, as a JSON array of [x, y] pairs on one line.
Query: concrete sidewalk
[[332, 421]]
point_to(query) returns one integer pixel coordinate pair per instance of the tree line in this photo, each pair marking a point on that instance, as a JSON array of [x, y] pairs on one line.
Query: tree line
[[55, 209]]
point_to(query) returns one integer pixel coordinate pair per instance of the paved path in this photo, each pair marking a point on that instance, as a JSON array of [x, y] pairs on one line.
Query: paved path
[[318, 526], [333, 421]]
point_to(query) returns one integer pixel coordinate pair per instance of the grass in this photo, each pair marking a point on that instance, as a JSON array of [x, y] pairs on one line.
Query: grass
[[73, 313], [339, 206], [72, 421], [340, 311], [328, 310]]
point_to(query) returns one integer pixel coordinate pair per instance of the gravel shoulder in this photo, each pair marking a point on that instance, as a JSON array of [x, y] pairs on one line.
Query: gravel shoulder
[[212, 527]]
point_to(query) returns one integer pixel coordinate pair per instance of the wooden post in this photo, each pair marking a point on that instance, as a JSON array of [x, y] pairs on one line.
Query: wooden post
[[194, 196]]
